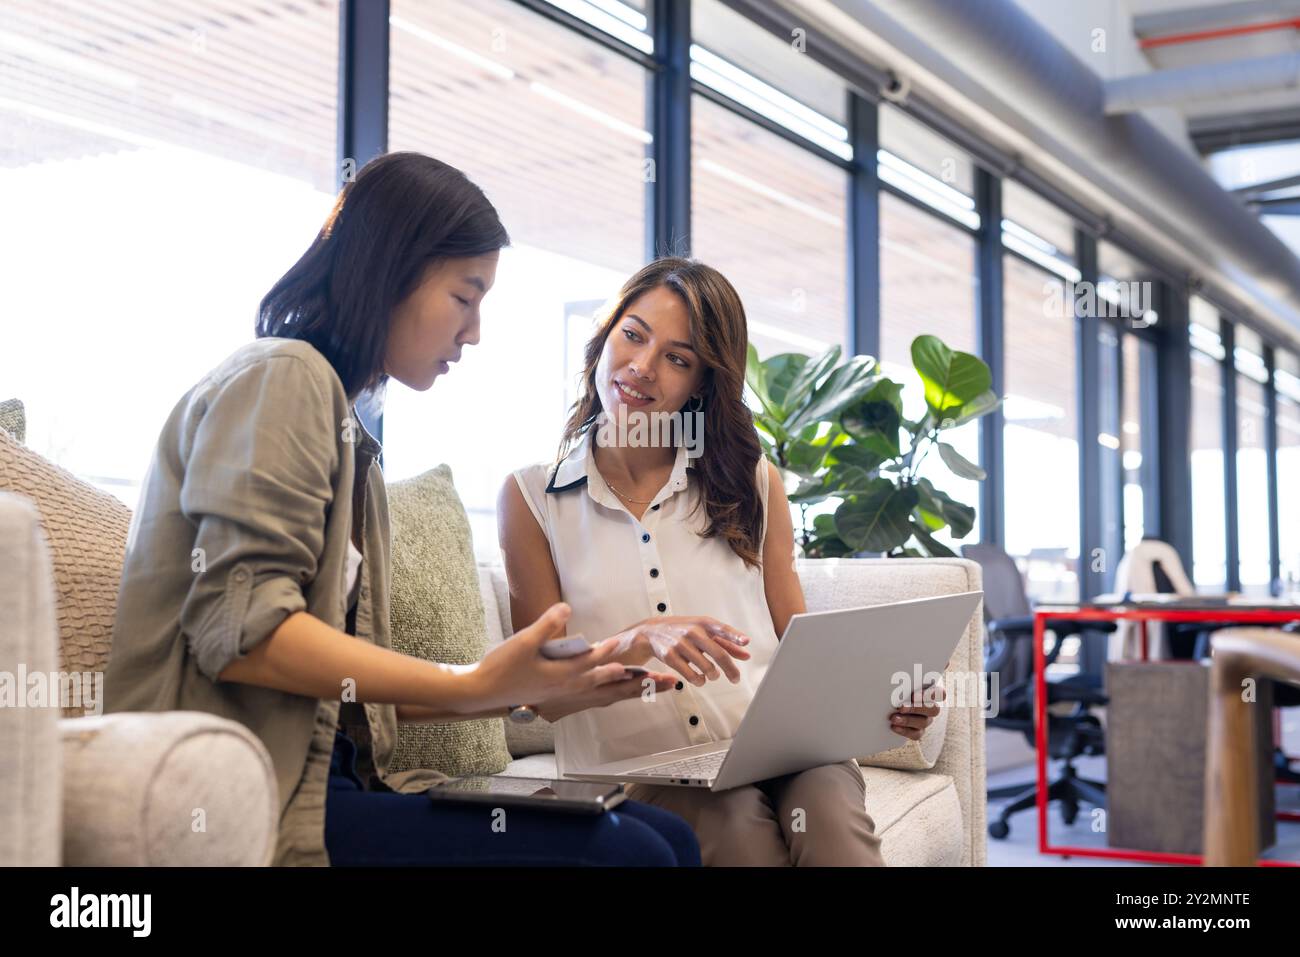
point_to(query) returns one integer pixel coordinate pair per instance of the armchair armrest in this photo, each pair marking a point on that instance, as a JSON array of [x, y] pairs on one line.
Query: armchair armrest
[[176, 788]]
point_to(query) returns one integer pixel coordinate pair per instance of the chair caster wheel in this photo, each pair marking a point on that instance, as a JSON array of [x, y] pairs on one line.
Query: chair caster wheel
[[999, 829]]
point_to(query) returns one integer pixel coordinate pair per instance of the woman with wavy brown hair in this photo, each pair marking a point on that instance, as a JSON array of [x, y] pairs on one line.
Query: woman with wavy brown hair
[[646, 524]]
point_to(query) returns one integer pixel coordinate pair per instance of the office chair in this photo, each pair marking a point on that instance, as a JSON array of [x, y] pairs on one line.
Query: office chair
[[1152, 567], [1010, 654]]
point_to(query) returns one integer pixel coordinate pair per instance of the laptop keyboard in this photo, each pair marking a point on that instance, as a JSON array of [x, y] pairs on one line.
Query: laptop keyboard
[[701, 766]]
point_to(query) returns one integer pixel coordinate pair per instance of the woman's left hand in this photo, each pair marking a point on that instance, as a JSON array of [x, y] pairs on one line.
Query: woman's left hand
[[911, 720]]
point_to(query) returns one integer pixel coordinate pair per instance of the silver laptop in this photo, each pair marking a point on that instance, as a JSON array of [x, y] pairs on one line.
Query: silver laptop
[[825, 697]]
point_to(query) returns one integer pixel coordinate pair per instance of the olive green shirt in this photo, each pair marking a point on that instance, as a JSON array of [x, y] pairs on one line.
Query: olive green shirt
[[261, 475]]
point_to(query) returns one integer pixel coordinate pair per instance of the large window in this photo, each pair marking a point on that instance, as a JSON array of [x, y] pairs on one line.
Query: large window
[[928, 286], [772, 217], [162, 168], [1037, 230], [1041, 466], [1252, 465], [552, 126], [1209, 555], [918, 161], [1138, 439]]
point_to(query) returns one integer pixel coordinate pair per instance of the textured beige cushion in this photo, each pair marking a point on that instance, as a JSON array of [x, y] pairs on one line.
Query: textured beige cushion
[[86, 530], [437, 614], [169, 789], [917, 815], [30, 766], [13, 419]]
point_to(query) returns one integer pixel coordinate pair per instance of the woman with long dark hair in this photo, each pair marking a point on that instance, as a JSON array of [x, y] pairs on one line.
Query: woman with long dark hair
[[256, 578], [686, 519]]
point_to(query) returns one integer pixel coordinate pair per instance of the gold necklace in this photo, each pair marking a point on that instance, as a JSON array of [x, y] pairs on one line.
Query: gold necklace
[[634, 501]]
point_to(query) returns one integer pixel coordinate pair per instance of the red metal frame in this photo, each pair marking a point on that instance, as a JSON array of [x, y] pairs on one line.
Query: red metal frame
[[1142, 614]]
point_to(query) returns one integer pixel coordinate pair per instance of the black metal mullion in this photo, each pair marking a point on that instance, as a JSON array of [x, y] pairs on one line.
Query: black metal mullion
[[363, 117], [1270, 456], [864, 227], [1173, 399], [1088, 422], [988, 202], [1149, 425], [1228, 371], [668, 190]]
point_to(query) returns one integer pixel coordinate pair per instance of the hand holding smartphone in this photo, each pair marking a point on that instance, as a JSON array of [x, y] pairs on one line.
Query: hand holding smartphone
[[572, 647]]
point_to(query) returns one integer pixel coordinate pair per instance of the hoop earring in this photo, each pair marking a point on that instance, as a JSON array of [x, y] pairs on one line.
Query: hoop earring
[[699, 403]]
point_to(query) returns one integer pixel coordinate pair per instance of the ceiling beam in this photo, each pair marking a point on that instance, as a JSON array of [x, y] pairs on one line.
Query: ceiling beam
[[1206, 81], [1277, 207], [1222, 131], [1271, 186], [1191, 19]]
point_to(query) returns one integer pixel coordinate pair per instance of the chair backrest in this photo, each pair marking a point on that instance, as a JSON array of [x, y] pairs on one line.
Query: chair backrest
[[1152, 567], [1004, 588]]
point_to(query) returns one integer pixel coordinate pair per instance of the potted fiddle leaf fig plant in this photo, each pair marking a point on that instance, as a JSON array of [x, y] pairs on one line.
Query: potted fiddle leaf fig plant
[[838, 434]]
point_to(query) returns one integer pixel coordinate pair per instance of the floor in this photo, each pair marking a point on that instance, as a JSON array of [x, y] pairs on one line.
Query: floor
[[1020, 847]]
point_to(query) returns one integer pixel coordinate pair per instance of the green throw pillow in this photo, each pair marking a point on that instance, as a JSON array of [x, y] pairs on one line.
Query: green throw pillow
[[437, 614]]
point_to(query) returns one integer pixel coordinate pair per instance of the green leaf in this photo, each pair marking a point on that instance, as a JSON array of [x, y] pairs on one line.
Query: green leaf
[[844, 385], [875, 418], [932, 521], [805, 458], [829, 547], [824, 525], [756, 378], [809, 376], [960, 465], [878, 519], [849, 480], [850, 453], [781, 371], [951, 378], [982, 404], [934, 547], [960, 518]]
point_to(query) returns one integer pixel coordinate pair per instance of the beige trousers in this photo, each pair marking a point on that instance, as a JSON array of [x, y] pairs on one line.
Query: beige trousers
[[816, 818]]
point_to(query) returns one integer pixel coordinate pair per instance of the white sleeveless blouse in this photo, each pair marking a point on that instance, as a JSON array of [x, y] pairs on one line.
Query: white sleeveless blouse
[[615, 571]]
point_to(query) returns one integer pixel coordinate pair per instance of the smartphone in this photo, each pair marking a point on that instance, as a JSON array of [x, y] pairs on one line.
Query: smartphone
[[574, 797], [565, 647]]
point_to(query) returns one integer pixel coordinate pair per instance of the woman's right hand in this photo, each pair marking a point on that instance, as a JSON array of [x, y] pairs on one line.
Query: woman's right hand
[[694, 647], [515, 671]]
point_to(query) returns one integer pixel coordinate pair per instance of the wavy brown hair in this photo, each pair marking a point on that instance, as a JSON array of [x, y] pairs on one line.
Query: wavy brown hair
[[720, 338]]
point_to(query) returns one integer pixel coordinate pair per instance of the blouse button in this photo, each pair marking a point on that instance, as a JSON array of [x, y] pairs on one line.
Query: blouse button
[[695, 719], [654, 573], [680, 685], [645, 537], [661, 606], [654, 508]]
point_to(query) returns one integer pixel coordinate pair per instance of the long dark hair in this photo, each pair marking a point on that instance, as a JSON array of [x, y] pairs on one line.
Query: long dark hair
[[719, 334], [402, 212]]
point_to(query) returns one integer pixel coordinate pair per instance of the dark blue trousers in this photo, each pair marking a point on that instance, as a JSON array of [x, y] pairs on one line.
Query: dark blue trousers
[[385, 828]]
